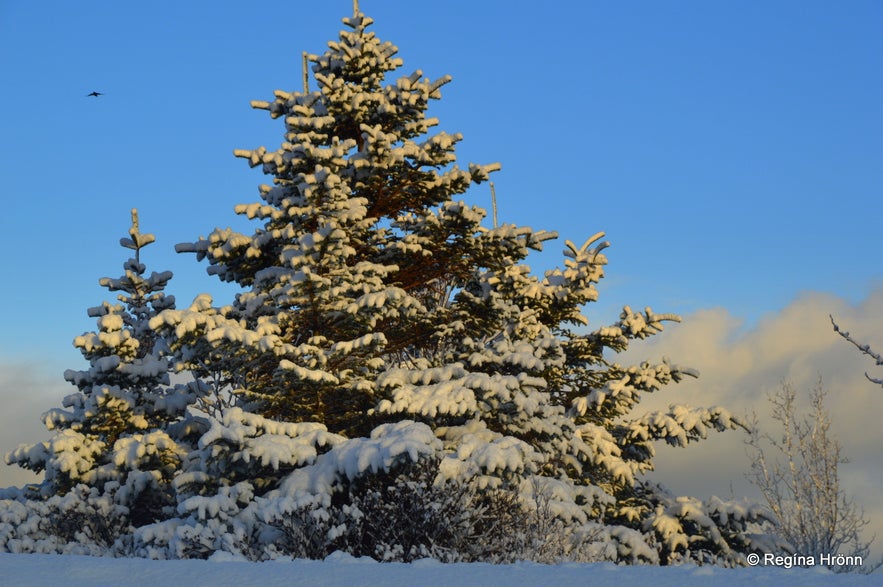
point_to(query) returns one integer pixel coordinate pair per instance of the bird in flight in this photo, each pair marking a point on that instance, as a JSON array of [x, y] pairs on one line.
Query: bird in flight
[[95, 94]]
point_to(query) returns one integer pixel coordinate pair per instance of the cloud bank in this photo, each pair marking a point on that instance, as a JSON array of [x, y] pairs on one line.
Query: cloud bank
[[740, 367], [27, 389]]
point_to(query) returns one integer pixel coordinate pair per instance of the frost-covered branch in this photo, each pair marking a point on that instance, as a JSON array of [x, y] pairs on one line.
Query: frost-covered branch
[[864, 348], [797, 470]]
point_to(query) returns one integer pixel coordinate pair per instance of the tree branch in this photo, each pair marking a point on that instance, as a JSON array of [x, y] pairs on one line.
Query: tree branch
[[864, 348]]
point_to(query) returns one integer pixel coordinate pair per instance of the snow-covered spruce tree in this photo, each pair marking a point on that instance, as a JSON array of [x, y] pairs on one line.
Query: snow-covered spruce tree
[[376, 305], [118, 436]]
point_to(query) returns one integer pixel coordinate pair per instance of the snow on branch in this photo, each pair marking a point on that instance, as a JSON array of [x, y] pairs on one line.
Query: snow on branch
[[683, 424], [864, 348], [389, 444]]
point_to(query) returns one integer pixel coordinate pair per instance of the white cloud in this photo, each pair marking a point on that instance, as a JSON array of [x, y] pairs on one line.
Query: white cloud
[[26, 391], [740, 367]]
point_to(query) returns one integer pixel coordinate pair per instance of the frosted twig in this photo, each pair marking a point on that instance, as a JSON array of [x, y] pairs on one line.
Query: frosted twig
[[864, 348]]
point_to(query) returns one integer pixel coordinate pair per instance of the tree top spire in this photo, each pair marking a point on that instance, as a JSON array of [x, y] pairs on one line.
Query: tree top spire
[[137, 239]]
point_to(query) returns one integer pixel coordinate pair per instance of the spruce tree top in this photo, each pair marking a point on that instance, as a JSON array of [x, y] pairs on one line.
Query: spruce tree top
[[362, 241]]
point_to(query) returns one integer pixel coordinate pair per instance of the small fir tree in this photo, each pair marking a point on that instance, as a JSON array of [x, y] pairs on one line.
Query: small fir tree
[[118, 432]]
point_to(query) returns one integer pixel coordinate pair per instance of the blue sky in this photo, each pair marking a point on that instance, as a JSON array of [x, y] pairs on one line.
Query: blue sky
[[732, 151]]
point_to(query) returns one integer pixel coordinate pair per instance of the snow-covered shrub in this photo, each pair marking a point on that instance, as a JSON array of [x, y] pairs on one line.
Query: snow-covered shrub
[[406, 514], [205, 525], [396, 515], [796, 470], [82, 521]]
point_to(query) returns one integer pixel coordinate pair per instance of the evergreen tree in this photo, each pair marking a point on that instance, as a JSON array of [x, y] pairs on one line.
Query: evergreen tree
[[371, 295], [360, 242], [118, 432]]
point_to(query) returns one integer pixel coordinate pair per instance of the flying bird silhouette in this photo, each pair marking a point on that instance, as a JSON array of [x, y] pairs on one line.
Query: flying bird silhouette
[[96, 94]]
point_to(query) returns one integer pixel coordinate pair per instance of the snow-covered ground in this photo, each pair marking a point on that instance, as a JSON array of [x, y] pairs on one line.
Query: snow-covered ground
[[37, 570]]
